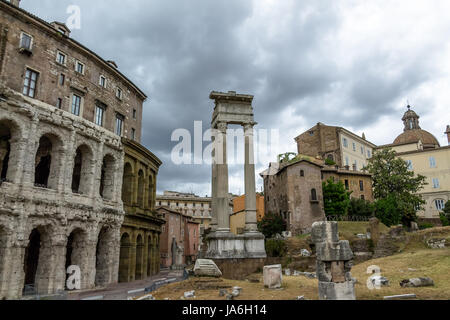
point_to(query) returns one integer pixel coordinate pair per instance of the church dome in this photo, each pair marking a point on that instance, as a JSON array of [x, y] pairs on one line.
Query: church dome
[[413, 136], [413, 132]]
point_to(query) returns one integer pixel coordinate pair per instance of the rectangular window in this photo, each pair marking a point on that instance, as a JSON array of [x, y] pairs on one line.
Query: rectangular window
[[119, 124], [99, 114], [61, 58], [354, 146], [347, 186], [432, 162], [26, 41], [29, 85], [369, 154], [347, 162], [59, 103], [102, 81], [362, 150], [62, 79], [361, 185], [133, 134], [134, 113], [436, 183], [345, 141], [79, 67], [409, 164], [76, 104], [119, 93]]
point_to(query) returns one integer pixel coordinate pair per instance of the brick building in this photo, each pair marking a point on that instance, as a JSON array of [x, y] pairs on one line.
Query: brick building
[[337, 144], [294, 191]]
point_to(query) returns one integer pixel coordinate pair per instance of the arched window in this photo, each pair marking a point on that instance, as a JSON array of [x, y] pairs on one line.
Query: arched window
[[82, 170], [47, 162], [107, 178], [140, 190], [313, 195], [127, 185]]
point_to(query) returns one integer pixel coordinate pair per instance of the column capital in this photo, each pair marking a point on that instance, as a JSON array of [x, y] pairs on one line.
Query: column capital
[[249, 125], [222, 127]]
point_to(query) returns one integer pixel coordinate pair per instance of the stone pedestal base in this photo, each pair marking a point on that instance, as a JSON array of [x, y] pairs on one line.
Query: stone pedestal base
[[237, 256], [337, 291], [226, 245]]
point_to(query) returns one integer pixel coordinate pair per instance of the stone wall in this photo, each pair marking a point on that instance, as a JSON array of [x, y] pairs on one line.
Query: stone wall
[[43, 228]]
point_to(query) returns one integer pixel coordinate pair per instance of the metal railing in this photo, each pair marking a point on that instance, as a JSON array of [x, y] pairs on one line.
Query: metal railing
[[348, 218]]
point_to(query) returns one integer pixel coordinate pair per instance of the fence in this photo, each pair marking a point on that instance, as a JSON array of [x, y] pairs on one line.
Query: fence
[[348, 218]]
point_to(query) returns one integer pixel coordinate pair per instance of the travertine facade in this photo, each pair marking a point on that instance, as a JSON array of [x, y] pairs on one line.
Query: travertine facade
[[54, 210], [63, 111]]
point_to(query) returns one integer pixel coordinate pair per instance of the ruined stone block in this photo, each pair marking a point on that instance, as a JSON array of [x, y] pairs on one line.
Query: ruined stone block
[[273, 276]]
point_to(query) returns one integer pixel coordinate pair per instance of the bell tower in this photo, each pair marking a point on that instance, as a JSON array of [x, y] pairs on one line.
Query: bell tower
[[411, 120]]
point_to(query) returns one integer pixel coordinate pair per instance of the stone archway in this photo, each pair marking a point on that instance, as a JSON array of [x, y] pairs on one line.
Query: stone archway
[[124, 262], [37, 262], [140, 189], [76, 254], [104, 257], [127, 185], [107, 178], [47, 162], [82, 170], [138, 275]]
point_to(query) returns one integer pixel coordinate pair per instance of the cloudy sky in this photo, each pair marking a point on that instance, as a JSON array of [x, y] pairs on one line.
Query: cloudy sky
[[349, 63]]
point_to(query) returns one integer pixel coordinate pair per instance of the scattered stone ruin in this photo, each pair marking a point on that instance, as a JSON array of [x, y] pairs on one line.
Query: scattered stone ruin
[[334, 262]]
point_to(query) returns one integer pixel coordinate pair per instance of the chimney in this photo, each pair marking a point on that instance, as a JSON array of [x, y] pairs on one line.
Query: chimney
[[448, 134], [15, 2]]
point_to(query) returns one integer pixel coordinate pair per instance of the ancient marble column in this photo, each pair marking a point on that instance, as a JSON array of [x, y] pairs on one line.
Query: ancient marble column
[[250, 188], [213, 223], [222, 206]]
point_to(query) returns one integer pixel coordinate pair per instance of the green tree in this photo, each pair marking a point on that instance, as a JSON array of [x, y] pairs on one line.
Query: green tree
[[445, 215], [336, 199], [271, 224], [395, 187], [360, 207]]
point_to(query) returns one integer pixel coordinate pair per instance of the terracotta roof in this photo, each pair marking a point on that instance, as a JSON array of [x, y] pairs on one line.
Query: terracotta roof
[[412, 136]]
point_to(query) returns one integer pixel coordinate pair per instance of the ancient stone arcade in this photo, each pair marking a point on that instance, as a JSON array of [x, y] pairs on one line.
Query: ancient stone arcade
[[60, 201], [235, 255], [139, 236]]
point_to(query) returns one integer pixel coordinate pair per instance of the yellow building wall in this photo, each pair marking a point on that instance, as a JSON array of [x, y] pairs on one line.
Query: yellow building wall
[[421, 165], [237, 221], [354, 155]]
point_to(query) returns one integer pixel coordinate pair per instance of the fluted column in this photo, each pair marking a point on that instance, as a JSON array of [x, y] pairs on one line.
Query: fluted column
[[250, 188]]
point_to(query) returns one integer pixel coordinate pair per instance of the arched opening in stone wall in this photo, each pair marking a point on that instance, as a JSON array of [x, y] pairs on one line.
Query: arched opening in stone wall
[[47, 162], [140, 190], [150, 193], [82, 170], [149, 256], [124, 262], [9, 136], [127, 185], [139, 258], [104, 257], [3, 245], [37, 262], [5, 150], [76, 251], [107, 178]]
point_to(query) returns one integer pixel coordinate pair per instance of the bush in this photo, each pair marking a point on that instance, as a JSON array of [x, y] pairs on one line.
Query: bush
[[386, 210], [445, 219], [359, 207], [424, 226], [329, 162], [275, 247], [271, 224]]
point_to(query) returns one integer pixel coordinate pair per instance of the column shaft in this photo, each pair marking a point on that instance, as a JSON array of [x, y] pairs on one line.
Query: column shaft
[[250, 187]]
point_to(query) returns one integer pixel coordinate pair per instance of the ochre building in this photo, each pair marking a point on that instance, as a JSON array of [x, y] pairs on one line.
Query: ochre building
[[141, 228], [425, 156]]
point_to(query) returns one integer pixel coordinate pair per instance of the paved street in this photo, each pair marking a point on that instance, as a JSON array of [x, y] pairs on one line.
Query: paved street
[[122, 291]]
